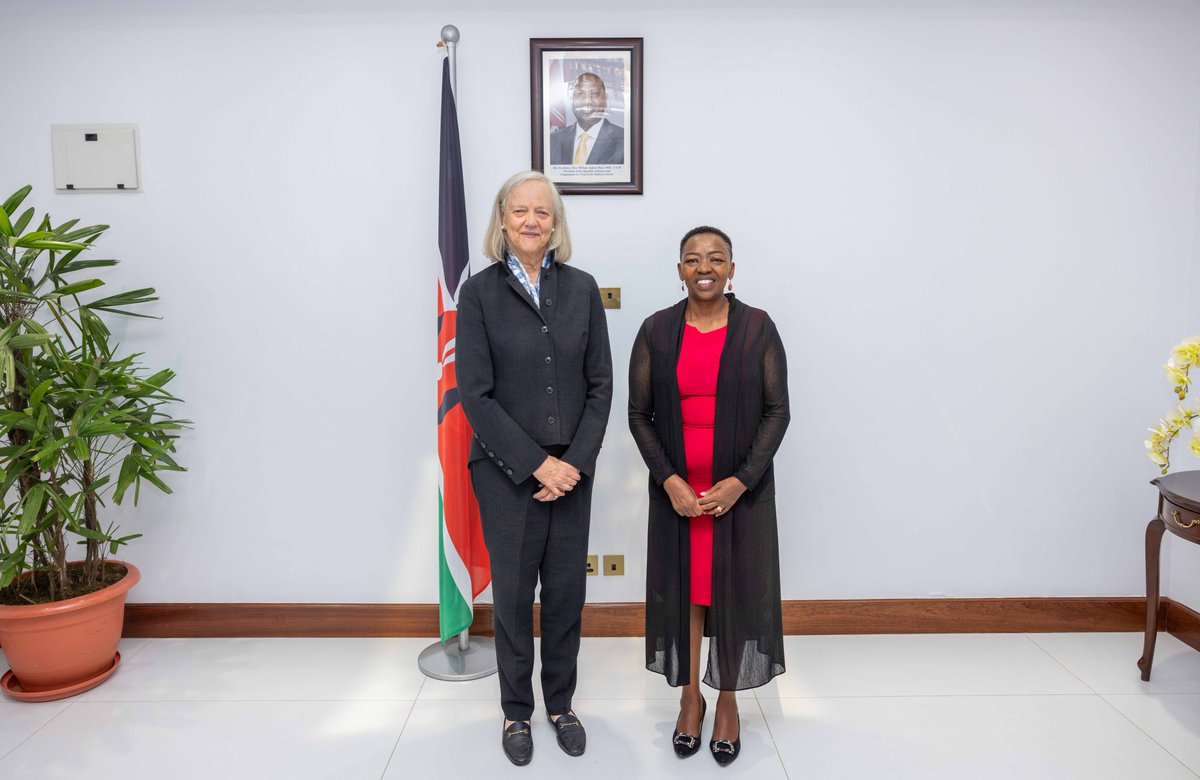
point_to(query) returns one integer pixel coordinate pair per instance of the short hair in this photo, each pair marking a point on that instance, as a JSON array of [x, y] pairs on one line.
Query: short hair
[[495, 245], [590, 75], [701, 230]]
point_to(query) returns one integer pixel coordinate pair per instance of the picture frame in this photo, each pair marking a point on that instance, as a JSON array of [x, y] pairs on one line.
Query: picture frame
[[586, 113]]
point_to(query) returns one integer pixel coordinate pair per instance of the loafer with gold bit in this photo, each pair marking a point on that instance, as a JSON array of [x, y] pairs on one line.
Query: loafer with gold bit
[[518, 742], [571, 736]]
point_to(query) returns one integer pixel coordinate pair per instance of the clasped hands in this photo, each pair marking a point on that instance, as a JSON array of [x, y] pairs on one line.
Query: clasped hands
[[715, 501], [556, 478]]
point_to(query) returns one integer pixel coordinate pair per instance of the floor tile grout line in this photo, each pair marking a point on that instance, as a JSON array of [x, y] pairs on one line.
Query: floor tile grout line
[[74, 700], [1149, 736], [975, 695], [399, 737], [38, 730], [403, 726], [771, 734], [1056, 660]]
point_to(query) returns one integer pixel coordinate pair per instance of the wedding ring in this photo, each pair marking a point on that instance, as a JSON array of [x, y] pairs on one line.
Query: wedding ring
[[720, 509]]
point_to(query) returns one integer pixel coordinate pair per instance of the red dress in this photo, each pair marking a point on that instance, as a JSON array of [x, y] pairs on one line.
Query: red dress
[[696, 372]]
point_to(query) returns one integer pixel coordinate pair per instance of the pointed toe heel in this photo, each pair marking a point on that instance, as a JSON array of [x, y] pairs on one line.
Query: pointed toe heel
[[687, 744], [725, 752]]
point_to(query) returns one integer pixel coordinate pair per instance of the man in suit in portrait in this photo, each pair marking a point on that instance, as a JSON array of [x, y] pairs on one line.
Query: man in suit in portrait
[[591, 139]]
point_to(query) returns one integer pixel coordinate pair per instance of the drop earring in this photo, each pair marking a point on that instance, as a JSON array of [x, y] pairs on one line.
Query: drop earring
[[730, 285]]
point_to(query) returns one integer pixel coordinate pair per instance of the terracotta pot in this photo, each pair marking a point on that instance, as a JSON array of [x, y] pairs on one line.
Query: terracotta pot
[[65, 645]]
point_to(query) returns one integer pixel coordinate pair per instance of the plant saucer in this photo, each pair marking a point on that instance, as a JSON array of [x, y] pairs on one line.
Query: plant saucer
[[9, 684]]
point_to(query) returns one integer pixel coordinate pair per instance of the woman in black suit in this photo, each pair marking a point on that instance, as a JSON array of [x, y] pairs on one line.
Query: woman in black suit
[[535, 378], [708, 407]]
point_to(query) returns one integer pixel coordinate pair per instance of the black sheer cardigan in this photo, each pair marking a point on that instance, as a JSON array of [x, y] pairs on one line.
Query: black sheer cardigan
[[745, 620]]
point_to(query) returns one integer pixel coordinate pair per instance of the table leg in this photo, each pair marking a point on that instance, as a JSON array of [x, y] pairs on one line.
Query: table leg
[[1154, 535]]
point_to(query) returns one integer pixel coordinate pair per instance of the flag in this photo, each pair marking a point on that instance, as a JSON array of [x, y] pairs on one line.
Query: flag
[[464, 569]]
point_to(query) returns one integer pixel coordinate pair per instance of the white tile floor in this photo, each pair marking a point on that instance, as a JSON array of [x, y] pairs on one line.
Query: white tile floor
[[931, 706]]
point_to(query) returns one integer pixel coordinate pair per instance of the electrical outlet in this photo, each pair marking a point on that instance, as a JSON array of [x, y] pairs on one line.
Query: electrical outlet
[[610, 297], [593, 565], [614, 565]]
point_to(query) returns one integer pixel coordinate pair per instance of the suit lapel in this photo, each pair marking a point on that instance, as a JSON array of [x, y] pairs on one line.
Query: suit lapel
[[605, 140], [520, 290]]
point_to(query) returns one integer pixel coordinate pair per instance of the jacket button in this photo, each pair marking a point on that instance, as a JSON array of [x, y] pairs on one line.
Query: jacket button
[[508, 472], [547, 358], [483, 443], [545, 329], [549, 391], [491, 454], [550, 420], [499, 463], [549, 301]]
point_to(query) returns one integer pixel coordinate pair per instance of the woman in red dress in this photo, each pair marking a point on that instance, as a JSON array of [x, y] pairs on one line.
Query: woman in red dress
[[708, 407]]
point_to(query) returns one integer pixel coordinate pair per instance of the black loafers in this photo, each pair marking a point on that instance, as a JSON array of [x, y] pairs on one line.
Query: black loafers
[[725, 752], [518, 742], [571, 736], [687, 744]]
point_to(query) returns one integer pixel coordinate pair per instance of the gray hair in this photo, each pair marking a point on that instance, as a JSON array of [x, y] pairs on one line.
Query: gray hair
[[494, 244]]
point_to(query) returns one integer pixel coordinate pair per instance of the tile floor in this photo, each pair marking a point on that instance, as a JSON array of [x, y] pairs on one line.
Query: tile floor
[[929, 706]]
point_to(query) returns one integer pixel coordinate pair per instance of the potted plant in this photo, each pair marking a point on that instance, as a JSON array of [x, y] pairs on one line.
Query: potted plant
[[80, 424], [1158, 446]]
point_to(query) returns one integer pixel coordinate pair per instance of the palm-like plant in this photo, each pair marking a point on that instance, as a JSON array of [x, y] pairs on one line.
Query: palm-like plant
[[82, 424]]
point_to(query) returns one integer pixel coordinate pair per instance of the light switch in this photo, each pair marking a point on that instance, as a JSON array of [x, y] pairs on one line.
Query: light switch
[[95, 157]]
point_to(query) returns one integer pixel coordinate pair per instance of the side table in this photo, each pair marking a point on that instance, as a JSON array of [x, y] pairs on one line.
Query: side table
[[1178, 511]]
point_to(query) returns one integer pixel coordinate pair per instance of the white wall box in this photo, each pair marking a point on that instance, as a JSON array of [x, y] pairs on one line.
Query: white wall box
[[95, 157]]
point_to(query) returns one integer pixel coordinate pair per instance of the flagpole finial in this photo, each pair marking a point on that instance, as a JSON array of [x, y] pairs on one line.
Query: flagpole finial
[[450, 34]]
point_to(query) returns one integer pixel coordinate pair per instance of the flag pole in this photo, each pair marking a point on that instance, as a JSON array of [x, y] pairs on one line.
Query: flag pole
[[450, 38], [465, 660]]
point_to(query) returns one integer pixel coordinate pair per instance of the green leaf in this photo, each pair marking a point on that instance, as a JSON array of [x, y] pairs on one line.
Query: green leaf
[[123, 312], [57, 246], [78, 287], [39, 392], [6, 227], [79, 265], [15, 200], [129, 472], [20, 224], [29, 513], [153, 479], [89, 233], [27, 340], [144, 295]]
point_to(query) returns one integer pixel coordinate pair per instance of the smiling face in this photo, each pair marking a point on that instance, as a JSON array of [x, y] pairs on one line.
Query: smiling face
[[589, 100], [528, 220], [705, 265]]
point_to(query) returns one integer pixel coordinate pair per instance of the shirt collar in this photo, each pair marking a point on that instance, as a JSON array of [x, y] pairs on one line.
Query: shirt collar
[[546, 260]]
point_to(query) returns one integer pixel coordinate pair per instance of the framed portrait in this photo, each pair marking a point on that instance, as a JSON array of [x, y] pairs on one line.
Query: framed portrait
[[586, 113]]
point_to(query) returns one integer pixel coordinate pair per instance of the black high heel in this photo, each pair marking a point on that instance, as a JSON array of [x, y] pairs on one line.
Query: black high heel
[[725, 752], [687, 744]]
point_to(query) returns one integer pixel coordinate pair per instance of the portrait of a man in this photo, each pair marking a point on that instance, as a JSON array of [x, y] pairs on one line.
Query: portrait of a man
[[586, 114], [592, 139]]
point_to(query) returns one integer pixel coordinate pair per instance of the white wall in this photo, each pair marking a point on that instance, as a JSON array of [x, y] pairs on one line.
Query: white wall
[[971, 222]]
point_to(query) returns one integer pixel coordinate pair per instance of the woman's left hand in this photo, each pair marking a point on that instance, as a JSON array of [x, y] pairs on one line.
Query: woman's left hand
[[721, 497]]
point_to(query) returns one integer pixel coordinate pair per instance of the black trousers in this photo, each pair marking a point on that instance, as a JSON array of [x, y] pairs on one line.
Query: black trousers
[[528, 541]]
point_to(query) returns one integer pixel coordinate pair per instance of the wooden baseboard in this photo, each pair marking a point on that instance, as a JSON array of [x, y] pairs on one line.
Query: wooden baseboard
[[1183, 623], [854, 616]]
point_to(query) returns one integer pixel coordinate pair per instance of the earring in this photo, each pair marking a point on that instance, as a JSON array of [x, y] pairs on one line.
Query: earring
[[730, 285], [681, 288]]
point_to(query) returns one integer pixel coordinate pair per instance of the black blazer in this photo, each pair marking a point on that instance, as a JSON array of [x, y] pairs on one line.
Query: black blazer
[[533, 379], [609, 148]]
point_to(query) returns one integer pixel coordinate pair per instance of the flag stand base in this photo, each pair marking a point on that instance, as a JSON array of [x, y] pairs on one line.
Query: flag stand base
[[450, 662]]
